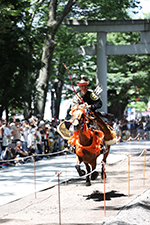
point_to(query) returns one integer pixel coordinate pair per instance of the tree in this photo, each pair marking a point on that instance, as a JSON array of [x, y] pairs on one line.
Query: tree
[[24, 25], [87, 9], [20, 59]]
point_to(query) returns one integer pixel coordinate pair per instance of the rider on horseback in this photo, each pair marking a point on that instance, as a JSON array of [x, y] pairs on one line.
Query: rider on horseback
[[89, 97], [91, 101]]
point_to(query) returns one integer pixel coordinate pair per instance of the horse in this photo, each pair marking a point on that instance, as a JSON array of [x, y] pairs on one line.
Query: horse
[[90, 140]]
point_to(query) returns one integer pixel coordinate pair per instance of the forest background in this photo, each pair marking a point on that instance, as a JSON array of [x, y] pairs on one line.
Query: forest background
[[34, 45]]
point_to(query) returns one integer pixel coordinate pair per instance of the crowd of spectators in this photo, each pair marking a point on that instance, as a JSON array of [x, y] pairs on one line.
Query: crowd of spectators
[[22, 140], [134, 128]]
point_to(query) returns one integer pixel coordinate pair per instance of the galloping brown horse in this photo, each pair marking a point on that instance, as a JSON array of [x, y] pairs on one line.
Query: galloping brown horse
[[89, 141]]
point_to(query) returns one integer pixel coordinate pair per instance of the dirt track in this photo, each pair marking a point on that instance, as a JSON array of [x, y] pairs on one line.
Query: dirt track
[[80, 204]]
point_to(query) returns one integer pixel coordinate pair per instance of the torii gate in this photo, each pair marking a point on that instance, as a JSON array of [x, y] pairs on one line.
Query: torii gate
[[102, 49]]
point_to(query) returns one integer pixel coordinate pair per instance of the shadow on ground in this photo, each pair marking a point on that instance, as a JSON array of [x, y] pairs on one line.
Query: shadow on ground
[[99, 196]]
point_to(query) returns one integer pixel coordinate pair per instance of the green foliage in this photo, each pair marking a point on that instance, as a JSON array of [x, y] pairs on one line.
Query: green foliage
[[23, 29], [20, 53], [97, 10]]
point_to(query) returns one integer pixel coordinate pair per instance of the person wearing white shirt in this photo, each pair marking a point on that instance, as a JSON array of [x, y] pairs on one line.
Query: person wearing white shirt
[[7, 136], [39, 140], [24, 134]]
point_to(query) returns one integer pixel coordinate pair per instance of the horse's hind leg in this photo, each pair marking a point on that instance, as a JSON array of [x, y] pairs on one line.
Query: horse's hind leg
[[88, 183], [105, 155]]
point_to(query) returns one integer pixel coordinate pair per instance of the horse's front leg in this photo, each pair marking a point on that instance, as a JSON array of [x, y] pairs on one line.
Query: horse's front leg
[[95, 173], [78, 168], [88, 182], [105, 155]]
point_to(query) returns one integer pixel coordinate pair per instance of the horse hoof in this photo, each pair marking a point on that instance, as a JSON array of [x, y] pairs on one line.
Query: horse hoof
[[94, 175], [88, 184]]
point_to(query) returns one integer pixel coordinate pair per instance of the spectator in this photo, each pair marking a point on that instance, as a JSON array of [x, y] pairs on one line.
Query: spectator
[[1, 135], [61, 143], [32, 143], [6, 136], [39, 140], [42, 131], [8, 154], [140, 128], [19, 150], [55, 146], [147, 126], [117, 128], [15, 130], [125, 131], [46, 140], [24, 134]]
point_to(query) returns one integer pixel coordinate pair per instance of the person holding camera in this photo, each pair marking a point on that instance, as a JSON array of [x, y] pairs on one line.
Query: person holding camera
[[8, 154]]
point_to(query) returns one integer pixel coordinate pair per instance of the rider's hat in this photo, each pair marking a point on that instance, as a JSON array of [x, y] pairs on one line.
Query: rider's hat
[[82, 81]]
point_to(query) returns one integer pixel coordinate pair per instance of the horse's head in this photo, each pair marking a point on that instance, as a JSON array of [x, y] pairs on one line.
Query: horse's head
[[78, 117]]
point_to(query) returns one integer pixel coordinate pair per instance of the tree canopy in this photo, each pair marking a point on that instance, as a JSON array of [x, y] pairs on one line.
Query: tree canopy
[[34, 44]]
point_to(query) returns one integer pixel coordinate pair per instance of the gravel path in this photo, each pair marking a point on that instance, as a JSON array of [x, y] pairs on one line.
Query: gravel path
[[84, 205]]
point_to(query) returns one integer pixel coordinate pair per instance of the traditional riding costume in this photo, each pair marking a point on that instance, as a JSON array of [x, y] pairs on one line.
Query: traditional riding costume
[[87, 96]]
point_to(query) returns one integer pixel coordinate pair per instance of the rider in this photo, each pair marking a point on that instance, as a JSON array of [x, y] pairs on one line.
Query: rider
[[89, 97]]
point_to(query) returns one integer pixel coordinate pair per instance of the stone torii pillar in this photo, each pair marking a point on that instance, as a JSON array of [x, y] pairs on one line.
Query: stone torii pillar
[[102, 67], [102, 49]]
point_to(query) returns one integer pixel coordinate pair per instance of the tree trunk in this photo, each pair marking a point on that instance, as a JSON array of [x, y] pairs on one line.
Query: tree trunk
[[47, 54], [58, 91], [1, 111], [44, 76]]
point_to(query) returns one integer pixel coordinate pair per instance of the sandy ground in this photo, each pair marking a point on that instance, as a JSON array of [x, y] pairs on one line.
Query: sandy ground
[[85, 205]]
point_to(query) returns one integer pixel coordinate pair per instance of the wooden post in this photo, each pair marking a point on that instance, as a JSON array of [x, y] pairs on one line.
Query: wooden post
[[34, 175], [130, 145], [103, 164], [144, 166], [128, 175], [119, 144], [66, 168], [58, 174]]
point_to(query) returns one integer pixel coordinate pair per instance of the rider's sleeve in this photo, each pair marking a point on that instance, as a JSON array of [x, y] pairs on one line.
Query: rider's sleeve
[[96, 105], [96, 102]]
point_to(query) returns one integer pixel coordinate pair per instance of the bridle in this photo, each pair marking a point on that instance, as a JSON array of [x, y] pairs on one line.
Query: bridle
[[80, 118]]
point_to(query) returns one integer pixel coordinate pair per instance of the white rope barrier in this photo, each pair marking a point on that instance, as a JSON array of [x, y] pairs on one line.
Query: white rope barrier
[[76, 177], [34, 154]]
